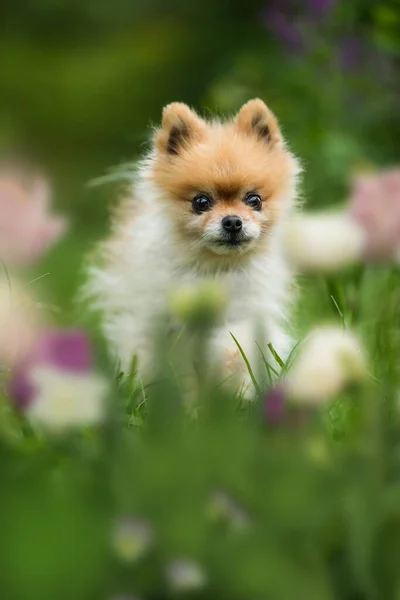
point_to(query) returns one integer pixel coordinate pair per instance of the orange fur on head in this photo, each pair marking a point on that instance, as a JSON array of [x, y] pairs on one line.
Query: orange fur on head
[[226, 161]]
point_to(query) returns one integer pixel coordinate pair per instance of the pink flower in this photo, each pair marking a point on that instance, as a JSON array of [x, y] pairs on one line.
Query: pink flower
[[274, 405], [27, 229], [375, 206]]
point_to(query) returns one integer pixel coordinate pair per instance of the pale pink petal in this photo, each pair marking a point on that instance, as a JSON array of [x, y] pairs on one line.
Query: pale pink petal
[[13, 202], [41, 193], [27, 229], [46, 235], [375, 205]]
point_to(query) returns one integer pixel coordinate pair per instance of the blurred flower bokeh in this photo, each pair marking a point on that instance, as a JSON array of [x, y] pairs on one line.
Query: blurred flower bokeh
[[328, 359], [366, 229], [132, 539], [185, 575], [55, 385], [27, 228], [375, 205]]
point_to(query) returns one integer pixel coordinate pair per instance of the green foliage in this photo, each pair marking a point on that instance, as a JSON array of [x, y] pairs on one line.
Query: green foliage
[[307, 506]]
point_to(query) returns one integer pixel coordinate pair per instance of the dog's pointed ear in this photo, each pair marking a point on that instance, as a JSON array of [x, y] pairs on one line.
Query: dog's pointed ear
[[255, 118], [180, 126]]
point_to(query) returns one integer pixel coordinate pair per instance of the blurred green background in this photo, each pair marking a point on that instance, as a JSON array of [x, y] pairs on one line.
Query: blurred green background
[[81, 81]]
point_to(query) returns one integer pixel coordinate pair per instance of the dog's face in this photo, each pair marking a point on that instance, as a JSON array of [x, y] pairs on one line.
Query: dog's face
[[226, 183]]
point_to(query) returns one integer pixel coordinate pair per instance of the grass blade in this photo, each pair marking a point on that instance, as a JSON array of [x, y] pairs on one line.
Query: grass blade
[[269, 368], [276, 356], [250, 370]]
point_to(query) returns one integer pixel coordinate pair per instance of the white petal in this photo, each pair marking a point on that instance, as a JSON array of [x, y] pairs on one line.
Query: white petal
[[132, 538], [328, 359], [64, 400], [185, 575], [323, 242]]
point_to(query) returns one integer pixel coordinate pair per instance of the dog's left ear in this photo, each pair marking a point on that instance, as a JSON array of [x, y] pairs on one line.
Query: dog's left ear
[[255, 118], [180, 126]]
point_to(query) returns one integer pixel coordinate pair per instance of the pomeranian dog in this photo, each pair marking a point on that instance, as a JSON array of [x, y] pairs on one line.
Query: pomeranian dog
[[209, 201]]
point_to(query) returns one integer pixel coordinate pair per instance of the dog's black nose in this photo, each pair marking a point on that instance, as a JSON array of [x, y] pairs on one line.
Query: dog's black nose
[[232, 224]]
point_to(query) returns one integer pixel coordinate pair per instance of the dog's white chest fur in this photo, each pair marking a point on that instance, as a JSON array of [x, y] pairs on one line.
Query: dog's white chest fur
[[135, 287]]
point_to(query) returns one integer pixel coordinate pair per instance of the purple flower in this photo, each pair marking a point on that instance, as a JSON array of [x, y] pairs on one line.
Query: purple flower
[[320, 6], [274, 405], [284, 28], [21, 389], [350, 53], [55, 386], [68, 351]]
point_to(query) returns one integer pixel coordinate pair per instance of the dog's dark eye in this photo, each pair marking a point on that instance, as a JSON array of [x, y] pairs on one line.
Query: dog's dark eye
[[201, 203], [254, 201]]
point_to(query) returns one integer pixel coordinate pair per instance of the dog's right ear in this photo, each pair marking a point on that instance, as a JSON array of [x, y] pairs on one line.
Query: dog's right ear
[[180, 126], [256, 119]]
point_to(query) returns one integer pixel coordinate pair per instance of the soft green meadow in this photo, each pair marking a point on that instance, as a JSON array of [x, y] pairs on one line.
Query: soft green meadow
[[308, 505]]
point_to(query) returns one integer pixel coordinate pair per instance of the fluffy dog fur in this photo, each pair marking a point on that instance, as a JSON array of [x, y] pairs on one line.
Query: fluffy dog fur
[[159, 241]]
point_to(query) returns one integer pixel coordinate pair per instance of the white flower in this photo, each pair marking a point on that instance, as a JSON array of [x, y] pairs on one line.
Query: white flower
[[367, 229], [185, 575], [323, 242], [224, 508], [64, 400], [132, 538], [328, 360]]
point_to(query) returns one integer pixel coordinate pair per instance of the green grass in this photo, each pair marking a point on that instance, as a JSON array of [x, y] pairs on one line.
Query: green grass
[[320, 493]]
